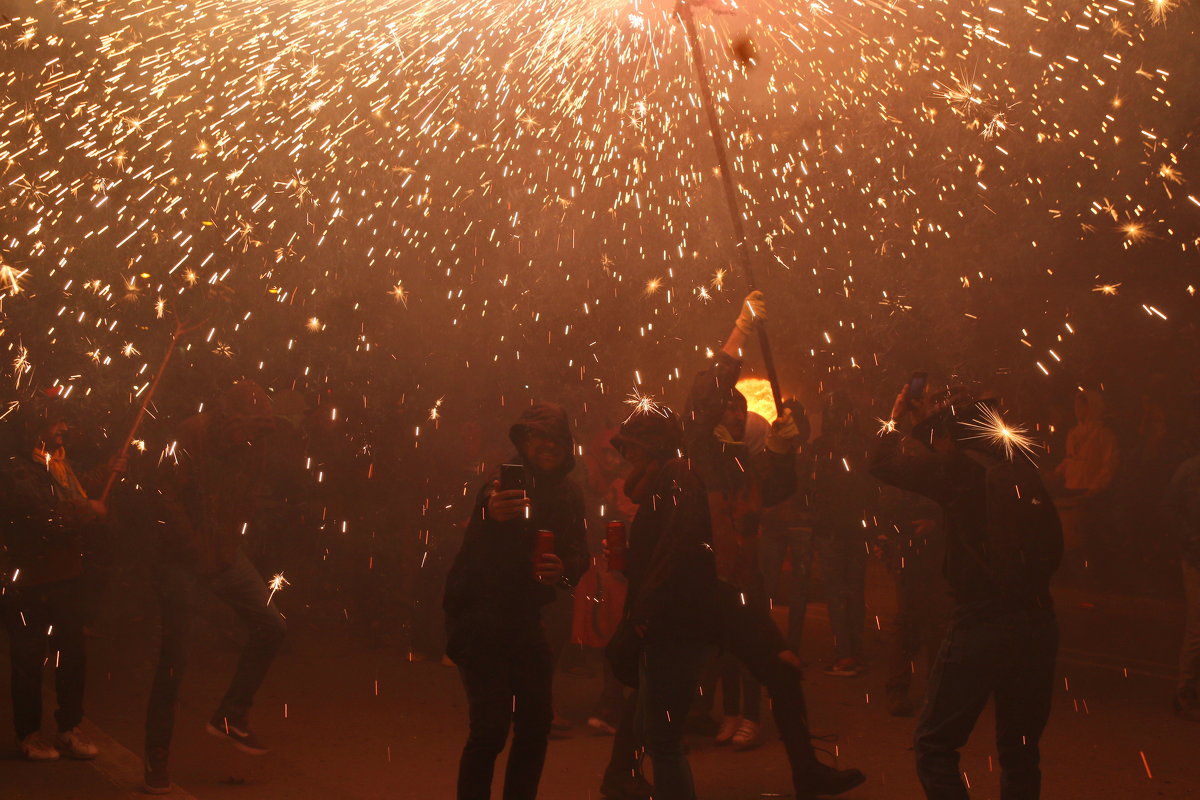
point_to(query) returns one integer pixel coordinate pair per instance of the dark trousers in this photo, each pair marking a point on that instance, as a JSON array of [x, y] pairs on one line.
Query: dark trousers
[[1009, 659], [667, 680], [749, 634], [242, 589], [506, 689], [843, 553], [28, 614], [743, 629], [777, 543], [741, 694]]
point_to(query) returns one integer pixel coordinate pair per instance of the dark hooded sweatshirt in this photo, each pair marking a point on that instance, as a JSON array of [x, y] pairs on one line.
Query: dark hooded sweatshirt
[[492, 599], [957, 482]]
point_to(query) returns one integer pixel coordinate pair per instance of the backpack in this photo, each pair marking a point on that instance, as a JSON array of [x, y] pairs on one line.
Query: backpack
[[1023, 542]]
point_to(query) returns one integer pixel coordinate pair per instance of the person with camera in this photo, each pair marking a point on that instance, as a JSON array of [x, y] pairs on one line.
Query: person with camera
[[504, 574], [1003, 544]]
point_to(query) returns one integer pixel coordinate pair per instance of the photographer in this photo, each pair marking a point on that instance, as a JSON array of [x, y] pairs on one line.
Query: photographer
[[494, 598], [1003, 543]]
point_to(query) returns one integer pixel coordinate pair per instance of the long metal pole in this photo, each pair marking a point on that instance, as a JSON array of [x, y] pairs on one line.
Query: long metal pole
[[180, 331], [684, 10]]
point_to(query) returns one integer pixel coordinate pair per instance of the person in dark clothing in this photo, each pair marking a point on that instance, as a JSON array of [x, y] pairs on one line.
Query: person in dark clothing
[[670, 621], [1181, 508], [913, 550], [224, 473], [843, 496], [740, 482], [1003, 543], [46, 514], [494, 599]]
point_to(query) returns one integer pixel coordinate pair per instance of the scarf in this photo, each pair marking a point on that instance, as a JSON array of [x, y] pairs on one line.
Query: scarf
[[56, 463]]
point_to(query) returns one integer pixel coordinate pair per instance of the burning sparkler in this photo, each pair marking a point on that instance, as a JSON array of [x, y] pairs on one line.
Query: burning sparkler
[[992, 429], [275, 584]]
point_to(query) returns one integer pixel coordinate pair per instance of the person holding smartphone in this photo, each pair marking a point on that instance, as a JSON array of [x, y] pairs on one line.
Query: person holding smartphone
[[502, 577]]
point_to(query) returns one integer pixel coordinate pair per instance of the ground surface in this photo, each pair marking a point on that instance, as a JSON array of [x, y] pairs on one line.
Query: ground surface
[[349, 721]]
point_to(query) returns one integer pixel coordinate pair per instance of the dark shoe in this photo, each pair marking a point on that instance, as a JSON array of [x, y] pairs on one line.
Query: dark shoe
[[236, 732], [901, 707], [824, 781], [155, 778], [626, 787]]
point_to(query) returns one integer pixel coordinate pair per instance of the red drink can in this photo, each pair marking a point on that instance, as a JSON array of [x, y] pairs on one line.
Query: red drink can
[[614, 538], [543, 545]]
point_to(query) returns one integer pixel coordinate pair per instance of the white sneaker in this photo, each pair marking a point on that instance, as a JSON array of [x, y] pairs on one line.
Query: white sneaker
[[747, 736], [72, 745], [602, 726], [729, 726], [34, 748]]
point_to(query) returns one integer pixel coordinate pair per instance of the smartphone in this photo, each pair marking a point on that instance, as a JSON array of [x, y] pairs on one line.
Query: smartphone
[[916, 386], [512, 476]]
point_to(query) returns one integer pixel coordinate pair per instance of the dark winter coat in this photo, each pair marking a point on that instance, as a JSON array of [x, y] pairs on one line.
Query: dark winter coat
[[42, 532], [958, 483], [492, 599], [670, 567]]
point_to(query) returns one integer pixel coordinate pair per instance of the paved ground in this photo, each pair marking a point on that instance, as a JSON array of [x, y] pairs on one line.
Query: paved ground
[[348, 721]]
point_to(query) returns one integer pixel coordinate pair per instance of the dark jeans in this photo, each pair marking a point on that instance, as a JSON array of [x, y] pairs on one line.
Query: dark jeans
[[53, 606], [741, 694], [1009, 659], [506, 689], [242, 589], [777, 543], [843, 553], [666, 686], [749, 634]]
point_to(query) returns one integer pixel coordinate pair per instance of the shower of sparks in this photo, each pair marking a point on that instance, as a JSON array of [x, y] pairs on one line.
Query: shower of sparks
[[996, 432], [886, 426], [275, 584], [494, 165]]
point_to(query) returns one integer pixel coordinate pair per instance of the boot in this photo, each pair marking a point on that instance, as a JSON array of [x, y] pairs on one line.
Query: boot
[[820, 780]]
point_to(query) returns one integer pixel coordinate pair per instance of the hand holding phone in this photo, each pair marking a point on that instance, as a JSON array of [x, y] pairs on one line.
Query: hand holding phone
[[508, 504]]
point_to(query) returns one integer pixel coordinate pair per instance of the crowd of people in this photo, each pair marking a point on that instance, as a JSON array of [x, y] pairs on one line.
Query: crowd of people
[[687, 533]]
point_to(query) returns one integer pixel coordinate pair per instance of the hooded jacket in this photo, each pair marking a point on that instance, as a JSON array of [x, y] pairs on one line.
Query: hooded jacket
[[1091, 461], [492, 600]]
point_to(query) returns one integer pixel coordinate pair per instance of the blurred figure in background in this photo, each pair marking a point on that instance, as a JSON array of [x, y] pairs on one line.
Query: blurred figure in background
[[220, 477], [843, 494], [1181, 508], [787, 537], [1086, 473], [46, 514], [913, 549]]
